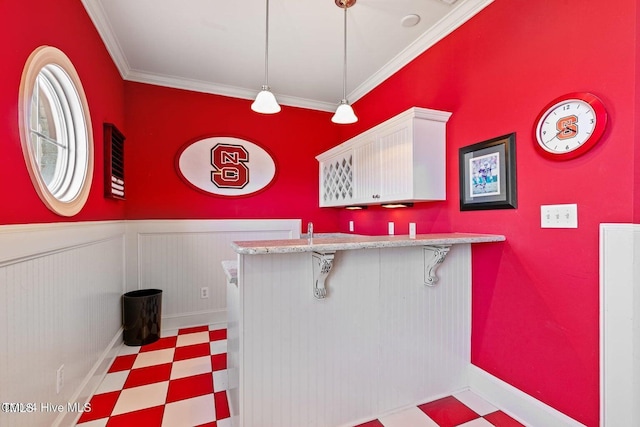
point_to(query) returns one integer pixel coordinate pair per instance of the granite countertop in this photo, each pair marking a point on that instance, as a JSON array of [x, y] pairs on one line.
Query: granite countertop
[[339, 242]]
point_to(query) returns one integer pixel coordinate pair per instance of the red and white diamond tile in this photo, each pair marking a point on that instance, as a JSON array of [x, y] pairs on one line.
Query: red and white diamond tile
[[464, 409], [181, 380]]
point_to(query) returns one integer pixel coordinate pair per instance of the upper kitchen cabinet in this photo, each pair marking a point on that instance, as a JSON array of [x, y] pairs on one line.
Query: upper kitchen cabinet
[[336, 177], [400, 160]]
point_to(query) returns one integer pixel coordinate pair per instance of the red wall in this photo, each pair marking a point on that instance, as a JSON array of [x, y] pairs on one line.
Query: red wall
[[65, 25], [160, 121], [535, 297]]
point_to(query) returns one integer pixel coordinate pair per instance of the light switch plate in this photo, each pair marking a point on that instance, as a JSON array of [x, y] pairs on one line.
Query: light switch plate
[[559, 216], [391, 229]]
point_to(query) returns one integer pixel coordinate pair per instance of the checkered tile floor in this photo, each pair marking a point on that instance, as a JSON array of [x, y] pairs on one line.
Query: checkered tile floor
[[465, 409], [181, 380]]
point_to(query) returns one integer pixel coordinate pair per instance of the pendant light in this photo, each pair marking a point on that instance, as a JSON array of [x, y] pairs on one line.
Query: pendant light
[[265, 102], [344, 113]]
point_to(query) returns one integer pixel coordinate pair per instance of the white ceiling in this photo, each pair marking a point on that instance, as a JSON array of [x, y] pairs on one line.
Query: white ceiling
[[217, 46]]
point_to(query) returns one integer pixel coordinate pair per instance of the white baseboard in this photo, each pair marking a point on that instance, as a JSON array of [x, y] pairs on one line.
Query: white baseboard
[[91, 381], [519, 405], [194, 319]]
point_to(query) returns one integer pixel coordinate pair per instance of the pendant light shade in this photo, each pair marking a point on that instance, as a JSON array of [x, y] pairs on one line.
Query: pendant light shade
[[265, 102], [344, 113]]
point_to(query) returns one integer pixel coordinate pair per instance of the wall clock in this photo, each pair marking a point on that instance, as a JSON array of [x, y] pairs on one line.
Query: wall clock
[[570, 125]]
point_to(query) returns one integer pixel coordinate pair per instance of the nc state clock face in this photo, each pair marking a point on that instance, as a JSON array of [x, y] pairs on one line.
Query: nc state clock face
[[570, 125]]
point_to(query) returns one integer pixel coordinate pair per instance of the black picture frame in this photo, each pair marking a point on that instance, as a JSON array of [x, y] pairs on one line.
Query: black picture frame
[[488, 174]]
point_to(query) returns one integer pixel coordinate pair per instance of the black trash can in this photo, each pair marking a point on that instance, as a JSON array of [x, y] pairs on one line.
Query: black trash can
[[141, 312]]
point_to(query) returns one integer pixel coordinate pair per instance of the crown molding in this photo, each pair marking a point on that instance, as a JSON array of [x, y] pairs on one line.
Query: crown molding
[[101, 23], [223, 90]]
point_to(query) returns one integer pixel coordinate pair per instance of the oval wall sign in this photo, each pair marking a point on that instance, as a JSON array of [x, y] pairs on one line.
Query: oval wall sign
[[226, 166]]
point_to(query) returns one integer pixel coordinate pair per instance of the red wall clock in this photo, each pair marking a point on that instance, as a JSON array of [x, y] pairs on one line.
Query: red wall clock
[[570, 125]]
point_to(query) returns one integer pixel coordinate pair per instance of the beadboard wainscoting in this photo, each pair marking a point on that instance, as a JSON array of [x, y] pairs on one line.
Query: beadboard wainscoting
[[60, 291], [381, 340], [60, 305], [183, 256]]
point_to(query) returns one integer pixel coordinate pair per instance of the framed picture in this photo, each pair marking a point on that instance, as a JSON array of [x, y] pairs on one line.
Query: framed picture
[[488, 174]]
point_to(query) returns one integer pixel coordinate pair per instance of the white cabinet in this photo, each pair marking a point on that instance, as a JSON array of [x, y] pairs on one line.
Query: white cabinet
[[336, 179], [385, 167], [367, 174], [400, 160]]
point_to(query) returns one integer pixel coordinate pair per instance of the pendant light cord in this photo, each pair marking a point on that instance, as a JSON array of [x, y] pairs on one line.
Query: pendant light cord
[[265, 102], [266, 50], [344, 113], [344, 71]]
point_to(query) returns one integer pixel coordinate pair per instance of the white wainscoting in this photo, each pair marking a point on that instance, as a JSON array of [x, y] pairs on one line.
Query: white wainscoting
[[380, 341], [60, 290], [60, 304], [619, 325], [182, 256], [61, 286]]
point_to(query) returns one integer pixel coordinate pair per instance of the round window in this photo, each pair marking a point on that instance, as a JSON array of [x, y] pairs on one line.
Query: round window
[[57, 142]]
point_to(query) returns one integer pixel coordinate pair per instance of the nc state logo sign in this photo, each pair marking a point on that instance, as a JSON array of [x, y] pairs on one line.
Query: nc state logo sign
[[226, 166]]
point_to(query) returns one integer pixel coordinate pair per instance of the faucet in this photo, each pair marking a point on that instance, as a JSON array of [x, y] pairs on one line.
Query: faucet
[[310, 232]]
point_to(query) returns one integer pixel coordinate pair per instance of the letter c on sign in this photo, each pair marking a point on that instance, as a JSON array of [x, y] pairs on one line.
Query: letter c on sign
[[226, 166]]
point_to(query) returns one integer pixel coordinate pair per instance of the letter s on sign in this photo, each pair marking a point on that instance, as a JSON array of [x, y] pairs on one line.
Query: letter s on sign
[[229, 163]]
